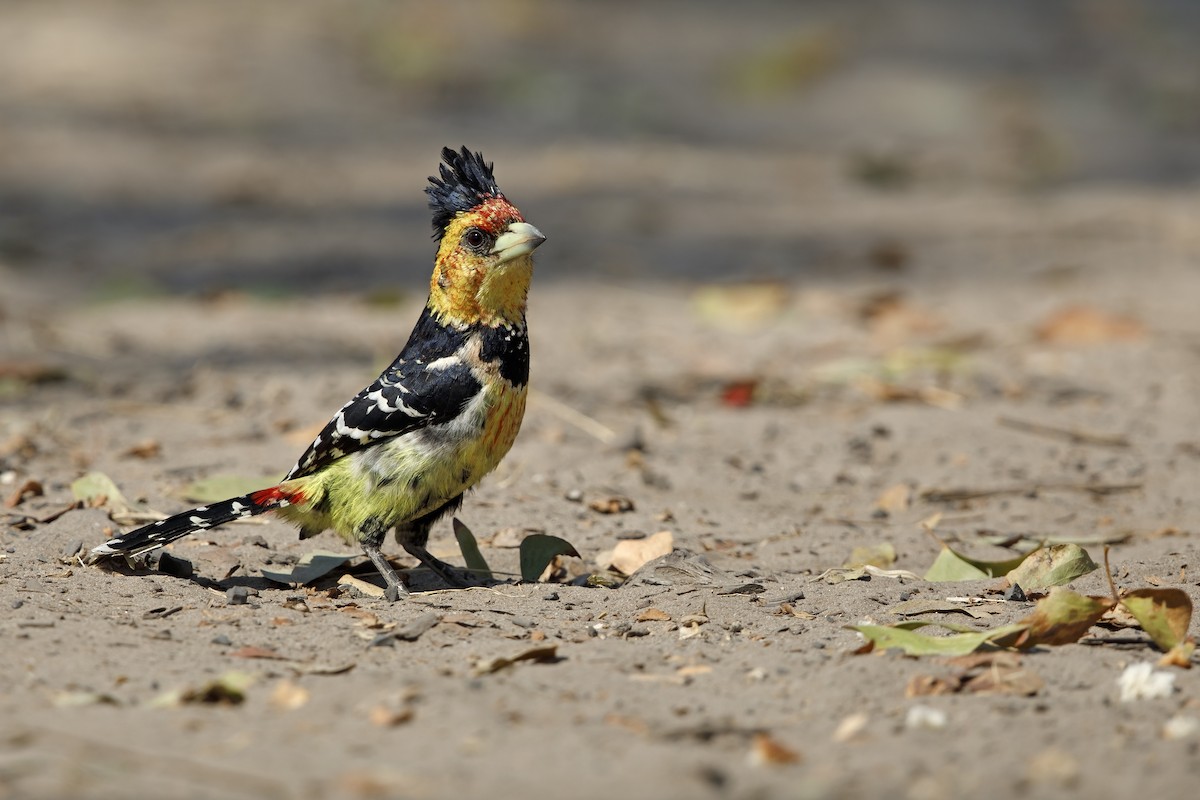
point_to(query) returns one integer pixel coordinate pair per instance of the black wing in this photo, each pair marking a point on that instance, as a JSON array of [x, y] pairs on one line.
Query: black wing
[[427, 384]]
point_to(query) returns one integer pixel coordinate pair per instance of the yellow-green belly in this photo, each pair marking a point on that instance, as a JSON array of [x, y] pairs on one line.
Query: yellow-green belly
[[403, 478]]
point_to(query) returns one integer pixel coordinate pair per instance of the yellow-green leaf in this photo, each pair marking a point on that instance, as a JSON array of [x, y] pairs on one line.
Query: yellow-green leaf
[[953, 566], [905, 637], [1164, 614], [1062, 617], [1055, 565], [96, 488]]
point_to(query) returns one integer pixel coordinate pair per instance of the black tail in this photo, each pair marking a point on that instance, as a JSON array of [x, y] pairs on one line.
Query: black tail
[[165, 531]]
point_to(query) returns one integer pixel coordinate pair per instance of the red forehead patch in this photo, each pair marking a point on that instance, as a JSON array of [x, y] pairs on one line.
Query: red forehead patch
[[495, 215]]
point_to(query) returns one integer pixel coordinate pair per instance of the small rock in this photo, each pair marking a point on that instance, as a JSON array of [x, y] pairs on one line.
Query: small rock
[[257, 541], [1016, 594], [574, 495], [73, 547], [222, 640], [175, 567], [551, 596], [17, 604], [237, 595]]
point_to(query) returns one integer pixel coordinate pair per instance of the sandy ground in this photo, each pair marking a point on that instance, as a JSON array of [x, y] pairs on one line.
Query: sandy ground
[[164, 331]]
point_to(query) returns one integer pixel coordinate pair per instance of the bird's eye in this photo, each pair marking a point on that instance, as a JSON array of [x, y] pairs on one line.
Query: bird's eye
[[475, 238]]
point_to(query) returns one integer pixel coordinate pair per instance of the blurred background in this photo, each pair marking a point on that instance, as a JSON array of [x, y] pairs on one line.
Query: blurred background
[[281, 148]]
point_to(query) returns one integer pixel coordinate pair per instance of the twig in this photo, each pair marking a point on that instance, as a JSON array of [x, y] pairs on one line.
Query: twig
[[954, 495], [577, 418], [1071, 435]]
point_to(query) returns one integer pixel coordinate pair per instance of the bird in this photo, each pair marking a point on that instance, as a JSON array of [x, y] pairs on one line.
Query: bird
[[401, 453]]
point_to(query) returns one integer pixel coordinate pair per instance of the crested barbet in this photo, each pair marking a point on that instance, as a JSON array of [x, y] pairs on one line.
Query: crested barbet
[[401, 453]]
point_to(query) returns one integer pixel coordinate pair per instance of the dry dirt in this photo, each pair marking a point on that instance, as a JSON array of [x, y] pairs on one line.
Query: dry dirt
[[1038, 348]]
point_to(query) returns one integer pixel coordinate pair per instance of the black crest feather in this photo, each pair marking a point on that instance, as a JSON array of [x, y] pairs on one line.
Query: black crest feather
[[466, 181]]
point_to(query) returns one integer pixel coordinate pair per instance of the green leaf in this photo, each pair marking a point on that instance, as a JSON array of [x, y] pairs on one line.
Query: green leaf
[[470, 550], [905, 636], [96, 488], [1164, 614], [538, 550], [310, 567], [1055, 565], [216, 488], [952, 566]]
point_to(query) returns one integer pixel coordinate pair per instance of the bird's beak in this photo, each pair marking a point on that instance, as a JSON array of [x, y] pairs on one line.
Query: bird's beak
[[520, 239]]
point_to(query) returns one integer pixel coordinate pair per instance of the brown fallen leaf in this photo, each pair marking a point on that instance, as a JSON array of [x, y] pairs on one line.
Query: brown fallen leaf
[[148, 448], [29, 488], [653, 615], [616, 504], [766, 751], [895, 499], [388, 717], [879, 555], [289, 695], [1087, 325], [630, 554], [546, 654], [1062, 617], [251, 651]]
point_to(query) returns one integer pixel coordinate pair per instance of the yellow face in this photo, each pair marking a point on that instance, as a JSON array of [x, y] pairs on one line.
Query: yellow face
[[484, 266]]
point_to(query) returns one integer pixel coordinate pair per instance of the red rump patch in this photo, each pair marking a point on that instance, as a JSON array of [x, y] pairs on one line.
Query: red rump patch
[[275, 495]]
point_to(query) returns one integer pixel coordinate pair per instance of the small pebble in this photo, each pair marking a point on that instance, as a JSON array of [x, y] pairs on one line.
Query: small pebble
[[222, 640], [1016, 594], [17, 603], [551, 596], [72, 548], [237, 595], [574, 495]]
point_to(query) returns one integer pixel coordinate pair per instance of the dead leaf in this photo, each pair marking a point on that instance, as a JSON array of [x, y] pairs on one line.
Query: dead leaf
[[616, 504], [851, 727], [289, 696], [1086, 325], [257, 652], [145, 449], [766, 751], [388, 717], [929, 686], [630, 554], [1164, 614], [1062, 617], [228, 689], [29, 488], [1054, 565], [895, 499], [954, 566], [97, 490], [361, 586], [905, 636], [653, 615], [546, 654]]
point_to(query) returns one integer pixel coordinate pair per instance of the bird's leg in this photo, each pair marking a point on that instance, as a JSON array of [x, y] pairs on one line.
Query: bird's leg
[[414, 535], [412, 538], [370, 537]]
